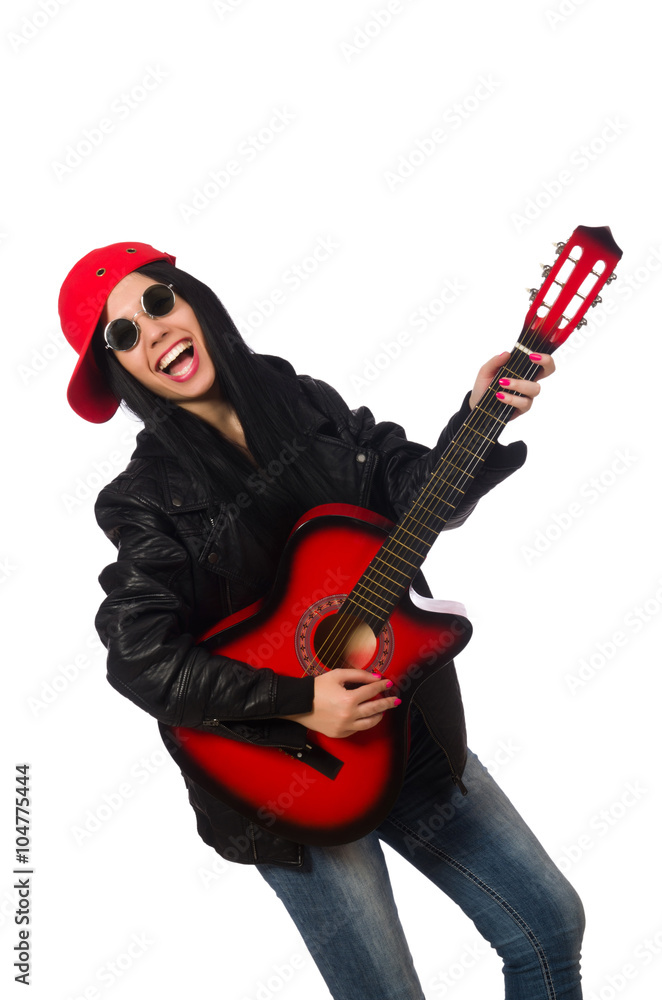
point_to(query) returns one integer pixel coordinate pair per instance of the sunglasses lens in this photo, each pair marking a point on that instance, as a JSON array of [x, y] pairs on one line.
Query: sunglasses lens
[[121, 334], [158, 300]]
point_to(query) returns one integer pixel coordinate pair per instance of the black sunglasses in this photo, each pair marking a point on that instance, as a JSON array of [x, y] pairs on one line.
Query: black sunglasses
[[122, 334]]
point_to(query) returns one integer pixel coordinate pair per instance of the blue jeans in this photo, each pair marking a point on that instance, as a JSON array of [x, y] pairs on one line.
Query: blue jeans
[[475, 848]]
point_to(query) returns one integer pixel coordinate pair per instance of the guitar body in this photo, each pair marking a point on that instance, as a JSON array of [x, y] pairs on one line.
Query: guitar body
[[340, 789]]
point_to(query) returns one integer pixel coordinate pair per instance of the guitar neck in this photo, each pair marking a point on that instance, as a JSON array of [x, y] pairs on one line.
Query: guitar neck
[[390, 573], [585, 264]]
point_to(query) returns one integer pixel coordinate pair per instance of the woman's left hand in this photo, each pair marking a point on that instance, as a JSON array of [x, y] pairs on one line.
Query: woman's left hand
[[528, 389]]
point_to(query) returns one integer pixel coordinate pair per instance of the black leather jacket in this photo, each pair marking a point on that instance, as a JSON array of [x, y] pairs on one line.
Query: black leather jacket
[[183, 565]]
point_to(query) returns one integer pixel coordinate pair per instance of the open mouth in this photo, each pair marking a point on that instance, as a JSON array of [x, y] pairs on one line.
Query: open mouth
[[180, 361]]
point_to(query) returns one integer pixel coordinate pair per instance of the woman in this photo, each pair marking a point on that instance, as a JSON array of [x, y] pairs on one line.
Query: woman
[[235, 448]]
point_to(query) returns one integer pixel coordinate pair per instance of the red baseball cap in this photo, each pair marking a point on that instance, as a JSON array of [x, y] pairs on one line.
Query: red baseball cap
[[82, 299]]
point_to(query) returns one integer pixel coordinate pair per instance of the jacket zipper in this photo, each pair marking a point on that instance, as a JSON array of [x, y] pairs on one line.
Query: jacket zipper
[[455, 777]]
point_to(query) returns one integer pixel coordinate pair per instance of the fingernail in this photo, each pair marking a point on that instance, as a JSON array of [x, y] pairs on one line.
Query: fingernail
[[500, 395], [397, 701], [536, 357], [504, 381], [375, 673], [389, 684]]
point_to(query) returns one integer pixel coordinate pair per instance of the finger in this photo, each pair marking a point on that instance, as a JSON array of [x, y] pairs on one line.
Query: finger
[[519, 403], [545, 364], [377, 706], [518, 385], [377, 690], [362, 724], [352, 675], [491, 367]]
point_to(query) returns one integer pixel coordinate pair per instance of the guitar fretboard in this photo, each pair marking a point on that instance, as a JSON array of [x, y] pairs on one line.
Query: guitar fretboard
[[585, 264], [391, 571]]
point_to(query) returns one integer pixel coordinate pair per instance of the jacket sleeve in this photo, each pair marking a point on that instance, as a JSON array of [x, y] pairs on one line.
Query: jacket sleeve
[[153, 659], [402, 467]]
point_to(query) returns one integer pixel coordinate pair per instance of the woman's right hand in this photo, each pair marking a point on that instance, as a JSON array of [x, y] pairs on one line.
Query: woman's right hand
[[338, 711]]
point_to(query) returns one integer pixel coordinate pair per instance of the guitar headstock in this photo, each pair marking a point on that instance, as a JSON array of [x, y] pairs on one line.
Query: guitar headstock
[[585, 264]]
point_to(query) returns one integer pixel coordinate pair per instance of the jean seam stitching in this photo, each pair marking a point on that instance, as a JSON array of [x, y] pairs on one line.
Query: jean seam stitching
[[544, 965]]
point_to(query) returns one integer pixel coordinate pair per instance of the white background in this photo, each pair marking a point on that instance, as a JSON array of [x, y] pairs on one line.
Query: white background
[[544, 87]]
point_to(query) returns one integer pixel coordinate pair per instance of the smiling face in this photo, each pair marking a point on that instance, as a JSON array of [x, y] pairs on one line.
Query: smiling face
[[171, 357]]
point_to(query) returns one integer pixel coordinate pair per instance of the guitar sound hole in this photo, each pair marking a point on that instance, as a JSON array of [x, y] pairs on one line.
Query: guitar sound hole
[[344, 642], [324, 641]]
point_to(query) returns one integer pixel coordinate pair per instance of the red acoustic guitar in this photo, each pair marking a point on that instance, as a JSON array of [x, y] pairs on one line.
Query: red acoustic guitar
[[337, 790]]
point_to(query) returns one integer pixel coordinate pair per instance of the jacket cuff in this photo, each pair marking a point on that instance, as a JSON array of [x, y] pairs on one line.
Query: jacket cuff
[[294, 695]]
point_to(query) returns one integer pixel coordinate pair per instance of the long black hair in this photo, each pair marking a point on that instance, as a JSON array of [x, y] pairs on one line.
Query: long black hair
[[265, 398]]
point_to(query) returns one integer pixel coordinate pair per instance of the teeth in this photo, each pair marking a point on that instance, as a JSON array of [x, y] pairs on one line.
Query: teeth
[[174, 353]]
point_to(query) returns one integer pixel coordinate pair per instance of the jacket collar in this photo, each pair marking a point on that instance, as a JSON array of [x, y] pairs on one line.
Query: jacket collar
[[183, 494]]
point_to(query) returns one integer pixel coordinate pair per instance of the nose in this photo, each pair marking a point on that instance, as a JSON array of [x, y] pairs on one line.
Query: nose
[[154, 328]]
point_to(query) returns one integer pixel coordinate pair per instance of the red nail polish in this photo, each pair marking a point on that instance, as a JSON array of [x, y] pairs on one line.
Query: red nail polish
[[375, 673], [389, 684], [504, 381], [397, 701], [536, 357], [500, 395]]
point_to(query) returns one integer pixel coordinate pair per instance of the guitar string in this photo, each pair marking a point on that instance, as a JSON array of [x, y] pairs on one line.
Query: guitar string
[[428, 492], [340, 631]]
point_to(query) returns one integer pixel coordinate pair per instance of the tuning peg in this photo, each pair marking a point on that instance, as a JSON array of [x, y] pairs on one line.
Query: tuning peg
[[596, 300], [612, 277], [546, 268], [559, 247], [582, 322], [532, 293]]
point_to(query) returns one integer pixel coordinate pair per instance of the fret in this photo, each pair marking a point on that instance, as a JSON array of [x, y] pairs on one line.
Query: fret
[[428, 526], [485, 437], [385, 548], [468, 451], [479, 407], [413, 534], [446, 481]]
